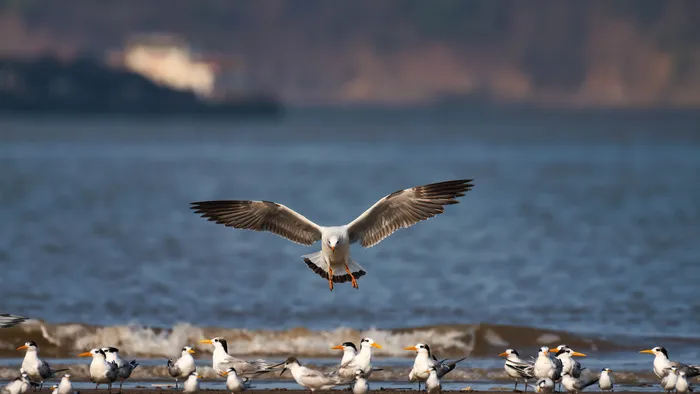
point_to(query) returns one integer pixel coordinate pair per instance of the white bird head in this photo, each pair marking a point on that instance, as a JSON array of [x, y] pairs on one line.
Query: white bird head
[[544, 351], [673, 369], [657, 351], [54, 387], [333, 241], [369, 343], [431, 370], [509, 352], [29, 346], [681, 374], [218, 342], [195, 375], [231, 371], [569, 352], [95, 353], [346, 346], [187, 350], [66, 377], [605, 371], [419, 348], [289, 362], [359, 374]]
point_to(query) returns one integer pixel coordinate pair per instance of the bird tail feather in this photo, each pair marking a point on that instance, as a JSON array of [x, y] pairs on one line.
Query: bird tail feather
[[318, 264]]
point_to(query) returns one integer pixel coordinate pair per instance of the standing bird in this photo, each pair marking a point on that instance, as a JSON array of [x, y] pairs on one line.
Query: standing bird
[[65, 387], [574, 385], [606, 381], [432, 385], [400, 209], [360, 386], [544, 385], [124, 369], [424, 360], [101, 370], [19, 385], [517, 368], [668, 382], [682, 384], [361, 361], [310, 378], [8, 320], [349, 351], [569, 364], [234, 383], [222, 361], [191, 385], [54, 389], [184, 366], [37, 369], [546, 366], [662, 364]]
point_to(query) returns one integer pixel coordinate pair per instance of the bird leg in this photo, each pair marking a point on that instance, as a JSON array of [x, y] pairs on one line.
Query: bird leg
[[354, 282], [419, 385], [176, 383], [526, 385], [515, 389], [121, 383], [330, 278]]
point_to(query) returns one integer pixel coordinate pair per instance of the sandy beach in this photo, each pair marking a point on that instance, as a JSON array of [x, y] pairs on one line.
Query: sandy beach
[[389, 391]]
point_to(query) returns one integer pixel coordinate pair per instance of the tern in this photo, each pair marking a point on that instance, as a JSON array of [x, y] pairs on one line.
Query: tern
[[349, 351], [234, 383], [544, 385], [37, 369], [606, 381], [432, 384], [101, 370], [19, 385], [191, 385], [517, 368], [65, 387], [312, 379], [682, 384], [662, 364], [424, 360], [183, 366], [361, 361], [222, 361], [8, 320], [668, 382], [569, 364], [124, 369], [547, 367], [360, 386], [54, 389], [400, 209], [574, 385]]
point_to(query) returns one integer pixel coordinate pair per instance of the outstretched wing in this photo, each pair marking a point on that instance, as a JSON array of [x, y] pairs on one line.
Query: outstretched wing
[[260, 216], [9, 320], [405, 208]]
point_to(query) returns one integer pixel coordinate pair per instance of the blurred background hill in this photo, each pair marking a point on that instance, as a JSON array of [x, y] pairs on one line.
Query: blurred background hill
[[625, 53]]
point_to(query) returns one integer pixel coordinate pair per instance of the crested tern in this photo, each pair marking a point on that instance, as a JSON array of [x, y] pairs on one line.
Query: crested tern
[[606, 381], [183, 366], [54, 389], [312, 379], [235, 383], [569, 364], [401, 209], [668, 382], [544, 385], [517, 368], [37, 369], [546, 366], [574, 385], [662, 364], [19, 385], [65, 387], [101, 370], [682, 383], [191, 385], [361, 361], [349, 351], [360, 386], [222, 361], [432, 384], [424, 360], [124, 368]]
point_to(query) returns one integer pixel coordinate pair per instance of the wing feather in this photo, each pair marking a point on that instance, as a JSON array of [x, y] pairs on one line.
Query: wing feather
[[404, 208], [260, 216]]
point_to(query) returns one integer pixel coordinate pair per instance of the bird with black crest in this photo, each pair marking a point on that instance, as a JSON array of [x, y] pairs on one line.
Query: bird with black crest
[[124, 368], [222, 361], [424, 360], [183, 367], [37, 369]]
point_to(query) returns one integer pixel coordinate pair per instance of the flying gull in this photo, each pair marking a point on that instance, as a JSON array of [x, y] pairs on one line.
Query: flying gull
[[400, 209]]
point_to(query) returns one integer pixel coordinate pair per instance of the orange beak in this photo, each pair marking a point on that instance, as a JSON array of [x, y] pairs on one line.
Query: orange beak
[[410, 348], [22, 347], [339, 347], [554, 350], [333, 248], [206, 341], [577, 354], [504, 354], [85, 354]]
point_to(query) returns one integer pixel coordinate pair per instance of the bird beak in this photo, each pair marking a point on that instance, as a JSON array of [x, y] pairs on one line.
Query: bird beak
[[225, 373], [504, 354], [85, 354], [283, 369], [377, 346], [647, 351], [609, 370], [577, 354], [206, 341], [23, 347], [333, 248], [554, 350], [428, 371], [200, 377], [339, 347], [190, 351], [410, 348]]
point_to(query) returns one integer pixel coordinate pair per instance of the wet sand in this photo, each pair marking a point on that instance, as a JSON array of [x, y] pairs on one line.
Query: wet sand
[[388, 391]]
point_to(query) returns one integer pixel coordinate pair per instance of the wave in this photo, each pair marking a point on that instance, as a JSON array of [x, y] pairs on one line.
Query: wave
[[476, 340]]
